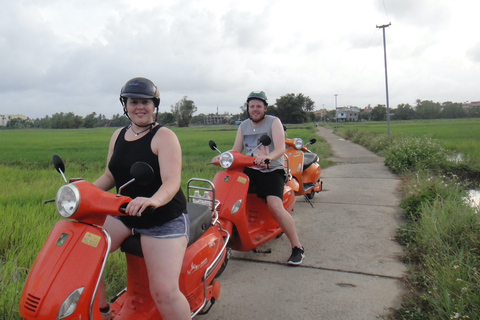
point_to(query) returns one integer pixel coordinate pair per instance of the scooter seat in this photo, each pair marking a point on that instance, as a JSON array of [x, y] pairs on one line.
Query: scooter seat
[[309, 159], [200, 220]]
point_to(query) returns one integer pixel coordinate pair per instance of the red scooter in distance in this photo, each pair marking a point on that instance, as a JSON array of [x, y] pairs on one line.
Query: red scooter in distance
[[304, 168], [241, 212], [64, 280]]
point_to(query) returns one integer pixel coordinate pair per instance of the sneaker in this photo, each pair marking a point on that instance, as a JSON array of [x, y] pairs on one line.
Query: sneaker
[[107, 315], [297, 256]]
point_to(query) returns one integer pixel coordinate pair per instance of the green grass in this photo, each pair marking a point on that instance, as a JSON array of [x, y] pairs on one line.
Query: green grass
[[28, 178], [441, 236], [459, 136]]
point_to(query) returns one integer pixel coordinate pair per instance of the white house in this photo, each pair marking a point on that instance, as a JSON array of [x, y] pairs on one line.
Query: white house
[[344, 114], [3, 120]]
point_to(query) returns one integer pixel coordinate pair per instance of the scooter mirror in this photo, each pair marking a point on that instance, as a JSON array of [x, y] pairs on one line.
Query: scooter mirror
[[313, 141], [142, 172], [212, 145], [58, 164], [265, 140]]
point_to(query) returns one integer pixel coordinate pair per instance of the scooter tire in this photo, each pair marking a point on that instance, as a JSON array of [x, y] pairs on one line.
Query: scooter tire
[[311, 195]]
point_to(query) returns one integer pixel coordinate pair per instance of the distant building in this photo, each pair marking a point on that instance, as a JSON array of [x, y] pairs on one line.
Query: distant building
[[472, 104], [217, 118], [3, 120], [347, 114]]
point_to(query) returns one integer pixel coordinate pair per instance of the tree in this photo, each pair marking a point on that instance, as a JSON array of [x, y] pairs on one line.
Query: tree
[[293, 108], [473, 112], [90, 120], [379, 113], [404, 112], [166, 118], [427, 109], [119, 120], [183, 111], [452, 110]]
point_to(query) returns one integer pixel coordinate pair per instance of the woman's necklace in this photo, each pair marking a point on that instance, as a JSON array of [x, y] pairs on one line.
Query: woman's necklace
[[138, 133]]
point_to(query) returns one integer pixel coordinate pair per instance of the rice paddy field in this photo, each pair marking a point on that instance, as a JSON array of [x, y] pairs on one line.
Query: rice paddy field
[[461, 136], [28, 178]]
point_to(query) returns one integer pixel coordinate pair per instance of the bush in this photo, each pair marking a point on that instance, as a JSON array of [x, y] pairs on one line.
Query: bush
[[411, 154]]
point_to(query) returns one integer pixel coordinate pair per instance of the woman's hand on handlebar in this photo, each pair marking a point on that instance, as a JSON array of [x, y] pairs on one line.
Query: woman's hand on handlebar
[[141, 204]]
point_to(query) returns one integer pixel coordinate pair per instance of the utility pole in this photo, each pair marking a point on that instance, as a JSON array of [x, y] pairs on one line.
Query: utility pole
[[386, 77], [336, 94]]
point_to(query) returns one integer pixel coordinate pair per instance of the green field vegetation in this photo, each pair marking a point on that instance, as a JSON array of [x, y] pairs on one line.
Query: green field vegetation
[[458, 136], [28, 178], [441, 236], [442, 233]]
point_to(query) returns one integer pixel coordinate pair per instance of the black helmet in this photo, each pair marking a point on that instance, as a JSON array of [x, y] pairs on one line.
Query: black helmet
[[258, 95], [140, 88]]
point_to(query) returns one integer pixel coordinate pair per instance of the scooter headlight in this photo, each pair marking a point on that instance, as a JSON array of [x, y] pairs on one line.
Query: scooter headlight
[[70, 304], [298, 143], [68, 200], [226, 159]]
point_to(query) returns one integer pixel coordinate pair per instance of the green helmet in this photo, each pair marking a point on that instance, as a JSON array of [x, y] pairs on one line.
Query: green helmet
[[258, 95]]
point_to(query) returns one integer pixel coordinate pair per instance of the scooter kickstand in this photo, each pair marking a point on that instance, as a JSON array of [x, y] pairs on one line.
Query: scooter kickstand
[[308, 200]]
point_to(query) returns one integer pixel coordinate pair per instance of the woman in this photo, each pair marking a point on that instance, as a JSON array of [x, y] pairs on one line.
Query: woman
[[164, 233]]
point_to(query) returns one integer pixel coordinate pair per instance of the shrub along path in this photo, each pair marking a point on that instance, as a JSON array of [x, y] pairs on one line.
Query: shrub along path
[[352, 268]]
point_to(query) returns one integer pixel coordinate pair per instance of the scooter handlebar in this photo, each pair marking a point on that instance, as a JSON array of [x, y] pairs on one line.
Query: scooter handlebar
[[148, 210]]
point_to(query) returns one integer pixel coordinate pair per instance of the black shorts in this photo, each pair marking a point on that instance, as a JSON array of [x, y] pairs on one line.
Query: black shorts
[[266, 183]]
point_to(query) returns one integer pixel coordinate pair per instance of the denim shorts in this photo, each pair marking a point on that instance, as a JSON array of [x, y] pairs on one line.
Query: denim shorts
[[175, 228]]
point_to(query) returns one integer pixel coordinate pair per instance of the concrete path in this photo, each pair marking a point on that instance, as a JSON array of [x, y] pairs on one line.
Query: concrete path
[[351, 269]]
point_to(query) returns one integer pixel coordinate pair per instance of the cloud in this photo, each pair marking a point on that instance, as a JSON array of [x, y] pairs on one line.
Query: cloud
[[74, 56]]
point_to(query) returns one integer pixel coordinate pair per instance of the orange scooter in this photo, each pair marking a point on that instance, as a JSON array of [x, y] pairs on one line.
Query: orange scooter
[[64, 280], [304, 167], [241, 212]]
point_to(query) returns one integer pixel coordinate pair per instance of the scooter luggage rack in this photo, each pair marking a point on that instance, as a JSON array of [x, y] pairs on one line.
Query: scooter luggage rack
[[212, 204], [198, 198]]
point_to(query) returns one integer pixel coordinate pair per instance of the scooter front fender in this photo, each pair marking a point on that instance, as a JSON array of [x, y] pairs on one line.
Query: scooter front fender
[[295, 160], [230, 188], [73, 257]]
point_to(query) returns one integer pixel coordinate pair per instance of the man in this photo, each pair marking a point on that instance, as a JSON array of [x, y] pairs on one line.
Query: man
[[270, 180]]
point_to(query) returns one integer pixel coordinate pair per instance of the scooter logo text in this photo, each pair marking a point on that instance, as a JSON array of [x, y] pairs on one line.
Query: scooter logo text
[[195, 267]]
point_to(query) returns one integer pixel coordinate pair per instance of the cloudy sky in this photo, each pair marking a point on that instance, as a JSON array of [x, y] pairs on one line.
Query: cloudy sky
[[75, 55]]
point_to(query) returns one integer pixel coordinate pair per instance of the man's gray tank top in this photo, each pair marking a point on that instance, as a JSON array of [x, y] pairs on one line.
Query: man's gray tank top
[[251, 139]]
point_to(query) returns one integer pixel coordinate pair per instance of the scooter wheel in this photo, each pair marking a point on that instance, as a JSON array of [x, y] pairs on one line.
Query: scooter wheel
[[311, 195]]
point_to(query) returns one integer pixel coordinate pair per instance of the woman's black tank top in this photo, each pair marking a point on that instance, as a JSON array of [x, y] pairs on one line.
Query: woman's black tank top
[[125, 154]]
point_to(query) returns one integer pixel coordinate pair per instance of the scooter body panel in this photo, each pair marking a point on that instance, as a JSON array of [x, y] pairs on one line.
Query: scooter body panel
[[252, 222], [312, 175], [295, 160], [303, 180], [72, 258], [137, 303]]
